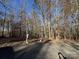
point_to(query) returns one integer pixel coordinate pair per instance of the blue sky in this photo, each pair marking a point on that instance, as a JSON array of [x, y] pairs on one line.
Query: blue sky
[[16, 5]]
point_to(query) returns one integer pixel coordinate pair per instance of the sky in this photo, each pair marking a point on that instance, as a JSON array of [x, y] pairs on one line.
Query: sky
[[16, 5]]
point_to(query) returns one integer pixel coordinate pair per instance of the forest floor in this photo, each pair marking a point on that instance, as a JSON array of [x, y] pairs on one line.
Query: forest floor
[[45, 50]]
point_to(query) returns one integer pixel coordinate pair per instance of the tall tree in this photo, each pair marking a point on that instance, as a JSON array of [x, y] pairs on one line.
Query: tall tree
[[45, 7], [4, 3]]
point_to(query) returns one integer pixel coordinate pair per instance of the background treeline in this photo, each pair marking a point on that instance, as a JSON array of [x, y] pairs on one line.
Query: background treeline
[[43, 21]]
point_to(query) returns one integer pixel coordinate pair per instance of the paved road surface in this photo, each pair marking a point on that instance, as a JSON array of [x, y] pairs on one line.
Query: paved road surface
[[49, 51]]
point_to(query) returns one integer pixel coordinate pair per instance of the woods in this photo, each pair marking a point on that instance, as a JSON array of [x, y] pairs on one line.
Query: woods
[[51, 19], [39, 29]]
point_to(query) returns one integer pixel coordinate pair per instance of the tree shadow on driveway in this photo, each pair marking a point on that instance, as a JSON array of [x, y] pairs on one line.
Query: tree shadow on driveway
[[29, 52], [75, 46], [6, 53]]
